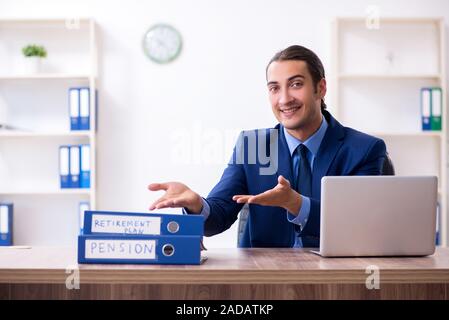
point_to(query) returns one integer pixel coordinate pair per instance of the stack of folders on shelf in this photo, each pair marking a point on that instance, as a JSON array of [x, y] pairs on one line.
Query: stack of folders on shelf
[[79, 107], [431, 109], [74, 166], [6, 216], [140, 238]]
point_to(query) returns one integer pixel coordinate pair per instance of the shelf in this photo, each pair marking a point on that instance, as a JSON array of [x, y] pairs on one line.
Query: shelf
[[391, 20], [27, 134], [389, 76], [44, 20], [45, 76], [432, 134], [86, 192]]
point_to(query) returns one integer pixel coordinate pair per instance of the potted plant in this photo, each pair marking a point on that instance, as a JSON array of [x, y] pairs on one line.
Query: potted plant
[[33, 57]]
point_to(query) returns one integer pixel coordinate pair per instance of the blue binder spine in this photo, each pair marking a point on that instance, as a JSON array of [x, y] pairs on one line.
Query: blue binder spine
[[6, 224], [128, 223], [438, 224], [74, 166], [139, 249], [96, 111], [74, 108], [64, 167], [85, 166], [84, 108], [83, 207], [426, 110]]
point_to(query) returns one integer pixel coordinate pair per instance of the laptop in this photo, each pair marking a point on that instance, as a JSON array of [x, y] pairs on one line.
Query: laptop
[[378, 216]]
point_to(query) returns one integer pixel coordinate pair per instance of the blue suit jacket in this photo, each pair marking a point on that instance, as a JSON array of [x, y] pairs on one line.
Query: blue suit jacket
[[343, 151]]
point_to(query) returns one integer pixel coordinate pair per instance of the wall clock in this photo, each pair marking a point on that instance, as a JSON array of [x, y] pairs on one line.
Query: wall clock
[[162, 43]]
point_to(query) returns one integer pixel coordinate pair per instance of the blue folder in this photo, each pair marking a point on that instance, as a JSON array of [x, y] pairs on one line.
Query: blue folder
[[6, 226], [74, 167], [64, 167], [438, 226], [139, 249], [84, 120], [85, 166], [129, 223], [74, 108], [426, 108]]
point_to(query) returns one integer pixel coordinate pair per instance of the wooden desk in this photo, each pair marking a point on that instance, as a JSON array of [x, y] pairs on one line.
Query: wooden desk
[[40, 273]]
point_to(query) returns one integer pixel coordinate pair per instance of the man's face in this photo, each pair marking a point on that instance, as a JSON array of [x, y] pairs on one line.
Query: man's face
[[296, 103]]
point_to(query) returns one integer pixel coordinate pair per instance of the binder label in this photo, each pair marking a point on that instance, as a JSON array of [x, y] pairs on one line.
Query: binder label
[[64, 161], [426, 103], [436, 103], [84, 102], [126, 224], [75, 160], [4, 223], [120, 249], [74, 103], [85, 157]]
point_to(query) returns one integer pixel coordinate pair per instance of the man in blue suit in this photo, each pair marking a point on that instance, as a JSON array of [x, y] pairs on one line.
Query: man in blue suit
[[278, 171]]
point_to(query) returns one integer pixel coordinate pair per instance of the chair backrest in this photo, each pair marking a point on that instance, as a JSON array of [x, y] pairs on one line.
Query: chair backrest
[[388, 167], [243, 218]]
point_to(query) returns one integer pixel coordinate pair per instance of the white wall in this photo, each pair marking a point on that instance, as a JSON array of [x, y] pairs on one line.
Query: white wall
[[216, 87]]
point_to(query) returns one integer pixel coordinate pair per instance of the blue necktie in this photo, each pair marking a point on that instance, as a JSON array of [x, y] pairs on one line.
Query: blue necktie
[[304, 174], [303, 183]]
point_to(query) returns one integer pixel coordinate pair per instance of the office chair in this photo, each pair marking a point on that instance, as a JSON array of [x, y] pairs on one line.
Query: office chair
[[388, 167], [387, 170]]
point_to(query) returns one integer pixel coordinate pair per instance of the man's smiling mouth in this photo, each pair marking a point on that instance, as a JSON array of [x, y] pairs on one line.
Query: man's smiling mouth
[[290, 110]]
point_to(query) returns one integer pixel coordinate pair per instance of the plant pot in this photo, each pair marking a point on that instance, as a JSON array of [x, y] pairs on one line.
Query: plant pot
[[32, 65]]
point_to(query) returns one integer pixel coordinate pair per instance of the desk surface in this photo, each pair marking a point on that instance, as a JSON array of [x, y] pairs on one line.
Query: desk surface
[[228, 266]]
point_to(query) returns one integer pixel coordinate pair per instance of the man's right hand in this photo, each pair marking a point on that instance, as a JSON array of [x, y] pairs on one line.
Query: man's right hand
[[176, 195]]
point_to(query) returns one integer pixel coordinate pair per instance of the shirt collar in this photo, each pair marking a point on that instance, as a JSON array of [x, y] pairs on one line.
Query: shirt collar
[[312, 143]]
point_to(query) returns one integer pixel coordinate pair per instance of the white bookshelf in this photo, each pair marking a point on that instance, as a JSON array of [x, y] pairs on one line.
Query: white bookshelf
[[434, 134], [376, 78], [27, 134], [37, 106], [356, 76], [43, 76], [40, 191]]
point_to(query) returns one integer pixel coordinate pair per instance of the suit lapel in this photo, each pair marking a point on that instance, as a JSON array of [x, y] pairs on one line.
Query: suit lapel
[[332, 141]]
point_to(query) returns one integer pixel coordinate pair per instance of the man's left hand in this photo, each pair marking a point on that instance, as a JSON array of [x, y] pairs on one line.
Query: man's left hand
[[282, 195]]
